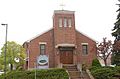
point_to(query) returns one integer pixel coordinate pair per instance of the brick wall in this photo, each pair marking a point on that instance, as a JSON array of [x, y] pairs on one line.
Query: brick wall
[[64, 34], [85, 59], [35, 50], [60, 35]]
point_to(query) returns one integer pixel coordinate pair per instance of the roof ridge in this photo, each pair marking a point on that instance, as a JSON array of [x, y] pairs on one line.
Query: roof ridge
[[86, 35], [38, 35]]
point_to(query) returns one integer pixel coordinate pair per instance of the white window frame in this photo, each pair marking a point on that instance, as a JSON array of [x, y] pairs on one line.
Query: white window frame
[[65, 22], [69, 22], [60, 22], [42, 43], [84, 44]]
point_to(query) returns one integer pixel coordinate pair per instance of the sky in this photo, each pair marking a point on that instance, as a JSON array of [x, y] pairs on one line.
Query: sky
[[28, 18]]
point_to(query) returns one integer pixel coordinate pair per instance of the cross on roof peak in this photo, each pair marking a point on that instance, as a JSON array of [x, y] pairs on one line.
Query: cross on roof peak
[[62, 5]]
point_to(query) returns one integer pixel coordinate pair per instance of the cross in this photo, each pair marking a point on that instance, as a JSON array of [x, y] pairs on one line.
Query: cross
[[62, 5]]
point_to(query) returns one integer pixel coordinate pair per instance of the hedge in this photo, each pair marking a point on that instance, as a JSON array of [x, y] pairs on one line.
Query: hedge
[[40, 74], [103, 73], [107, 72]]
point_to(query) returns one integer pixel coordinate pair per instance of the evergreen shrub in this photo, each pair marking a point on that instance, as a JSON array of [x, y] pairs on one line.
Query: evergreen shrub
[[96, 63], [40, 74]]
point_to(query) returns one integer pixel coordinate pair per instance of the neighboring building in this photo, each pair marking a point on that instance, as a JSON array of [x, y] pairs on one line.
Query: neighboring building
[[61, 44]]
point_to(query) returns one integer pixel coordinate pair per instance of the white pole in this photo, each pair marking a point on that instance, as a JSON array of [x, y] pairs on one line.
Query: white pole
[[35, 70]]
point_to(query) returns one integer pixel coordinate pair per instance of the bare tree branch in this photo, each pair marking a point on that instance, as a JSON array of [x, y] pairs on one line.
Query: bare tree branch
[[104, 50]]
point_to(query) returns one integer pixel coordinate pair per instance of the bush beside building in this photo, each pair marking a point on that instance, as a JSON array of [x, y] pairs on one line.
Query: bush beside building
[[40, 74]]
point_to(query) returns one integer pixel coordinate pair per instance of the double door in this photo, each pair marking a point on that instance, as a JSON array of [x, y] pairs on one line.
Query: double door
[[66, 57]]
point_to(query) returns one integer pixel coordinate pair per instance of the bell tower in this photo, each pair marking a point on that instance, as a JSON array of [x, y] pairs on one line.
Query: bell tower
[[64, 27]]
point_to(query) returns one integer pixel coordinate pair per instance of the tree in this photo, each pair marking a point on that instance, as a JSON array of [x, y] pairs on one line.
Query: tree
[[15, 55], [116, 34], [104, 50], [116, 53], [1, 63]]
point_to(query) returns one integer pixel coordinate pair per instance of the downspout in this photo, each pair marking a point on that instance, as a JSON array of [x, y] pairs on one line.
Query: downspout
[[53, 45]]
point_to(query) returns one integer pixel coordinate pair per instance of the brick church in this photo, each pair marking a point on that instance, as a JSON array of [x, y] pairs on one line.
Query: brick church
[[62, 44]]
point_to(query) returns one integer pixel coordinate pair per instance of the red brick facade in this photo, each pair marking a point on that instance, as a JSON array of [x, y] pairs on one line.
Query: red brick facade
[[59, 40]]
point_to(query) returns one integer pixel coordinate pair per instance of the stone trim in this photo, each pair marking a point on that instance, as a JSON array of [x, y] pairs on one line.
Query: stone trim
[[65, 45], [89, 73], [42, 43], [84, 43], [64, 11]]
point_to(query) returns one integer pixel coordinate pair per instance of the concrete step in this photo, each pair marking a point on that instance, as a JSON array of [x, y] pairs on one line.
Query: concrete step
[[85, 75], [70, 67], [74, 73], [77, 77]]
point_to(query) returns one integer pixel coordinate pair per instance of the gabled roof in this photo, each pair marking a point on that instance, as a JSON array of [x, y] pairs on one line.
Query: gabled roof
[[86, 35], [38, 35], [52, 28]]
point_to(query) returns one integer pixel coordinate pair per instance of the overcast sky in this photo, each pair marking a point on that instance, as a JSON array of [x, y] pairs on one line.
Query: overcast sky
[[28, 18]]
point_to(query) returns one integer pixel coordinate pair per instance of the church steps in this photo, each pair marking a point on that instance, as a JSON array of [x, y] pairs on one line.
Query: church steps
[[74, 73]]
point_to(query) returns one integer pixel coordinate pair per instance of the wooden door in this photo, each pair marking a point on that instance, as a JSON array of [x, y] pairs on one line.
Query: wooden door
[[66, 57]]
